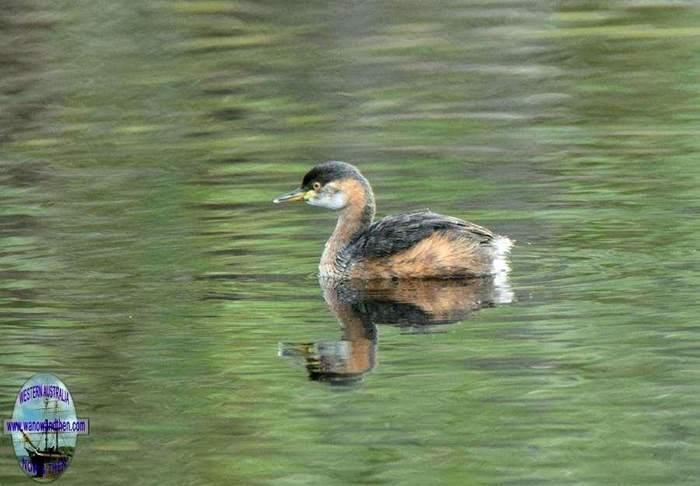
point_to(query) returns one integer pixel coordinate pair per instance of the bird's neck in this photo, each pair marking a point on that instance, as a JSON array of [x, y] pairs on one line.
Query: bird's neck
[[355, 218]]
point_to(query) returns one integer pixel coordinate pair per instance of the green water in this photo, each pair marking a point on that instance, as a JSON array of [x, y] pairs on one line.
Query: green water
[[143, 263]]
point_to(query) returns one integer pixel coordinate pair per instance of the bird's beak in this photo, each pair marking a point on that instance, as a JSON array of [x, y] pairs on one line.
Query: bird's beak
[[295, 195]]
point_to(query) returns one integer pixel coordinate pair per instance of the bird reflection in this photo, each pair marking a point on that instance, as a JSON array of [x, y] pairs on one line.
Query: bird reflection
[[412, 305]]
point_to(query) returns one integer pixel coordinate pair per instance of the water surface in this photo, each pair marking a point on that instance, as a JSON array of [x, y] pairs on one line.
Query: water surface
[[143, 263]]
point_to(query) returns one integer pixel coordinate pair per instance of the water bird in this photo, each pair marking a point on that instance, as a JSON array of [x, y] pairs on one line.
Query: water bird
[[414, 245]]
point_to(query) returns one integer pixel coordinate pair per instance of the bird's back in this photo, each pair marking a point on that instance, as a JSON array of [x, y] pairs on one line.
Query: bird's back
[[422, 244]]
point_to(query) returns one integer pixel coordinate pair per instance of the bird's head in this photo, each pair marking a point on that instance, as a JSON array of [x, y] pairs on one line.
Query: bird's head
[[332, 185]]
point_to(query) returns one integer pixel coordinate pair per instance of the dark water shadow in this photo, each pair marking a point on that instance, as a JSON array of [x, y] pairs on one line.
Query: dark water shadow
[[416, 306]]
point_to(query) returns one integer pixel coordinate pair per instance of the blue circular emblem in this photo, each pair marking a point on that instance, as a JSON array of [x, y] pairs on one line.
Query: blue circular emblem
[[44, 427]]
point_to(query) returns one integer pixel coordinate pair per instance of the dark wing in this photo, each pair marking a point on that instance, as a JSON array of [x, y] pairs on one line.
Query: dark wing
[[395, 234]]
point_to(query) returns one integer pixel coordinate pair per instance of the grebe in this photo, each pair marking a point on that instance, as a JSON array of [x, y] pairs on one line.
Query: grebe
[[414, 245]]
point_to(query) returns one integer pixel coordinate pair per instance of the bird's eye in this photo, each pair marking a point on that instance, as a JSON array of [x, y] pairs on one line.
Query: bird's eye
[[317, 186]]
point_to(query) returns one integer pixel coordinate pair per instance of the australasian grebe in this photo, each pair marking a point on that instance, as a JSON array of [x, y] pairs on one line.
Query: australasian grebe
[[414, 245]]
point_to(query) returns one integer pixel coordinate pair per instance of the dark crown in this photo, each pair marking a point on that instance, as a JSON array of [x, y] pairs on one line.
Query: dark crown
[[331, 171]]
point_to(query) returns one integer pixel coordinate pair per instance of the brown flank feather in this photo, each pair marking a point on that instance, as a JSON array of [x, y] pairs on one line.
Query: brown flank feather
[[437, 256]]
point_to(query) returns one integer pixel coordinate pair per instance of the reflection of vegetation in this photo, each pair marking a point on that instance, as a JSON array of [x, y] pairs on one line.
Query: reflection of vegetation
[[142, 262]]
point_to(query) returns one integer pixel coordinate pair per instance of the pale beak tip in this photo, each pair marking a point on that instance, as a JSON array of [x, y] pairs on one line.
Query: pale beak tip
[[275, 201]]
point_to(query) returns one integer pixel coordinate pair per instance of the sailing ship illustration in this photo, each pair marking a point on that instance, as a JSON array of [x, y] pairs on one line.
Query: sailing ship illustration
[[48, 457]]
